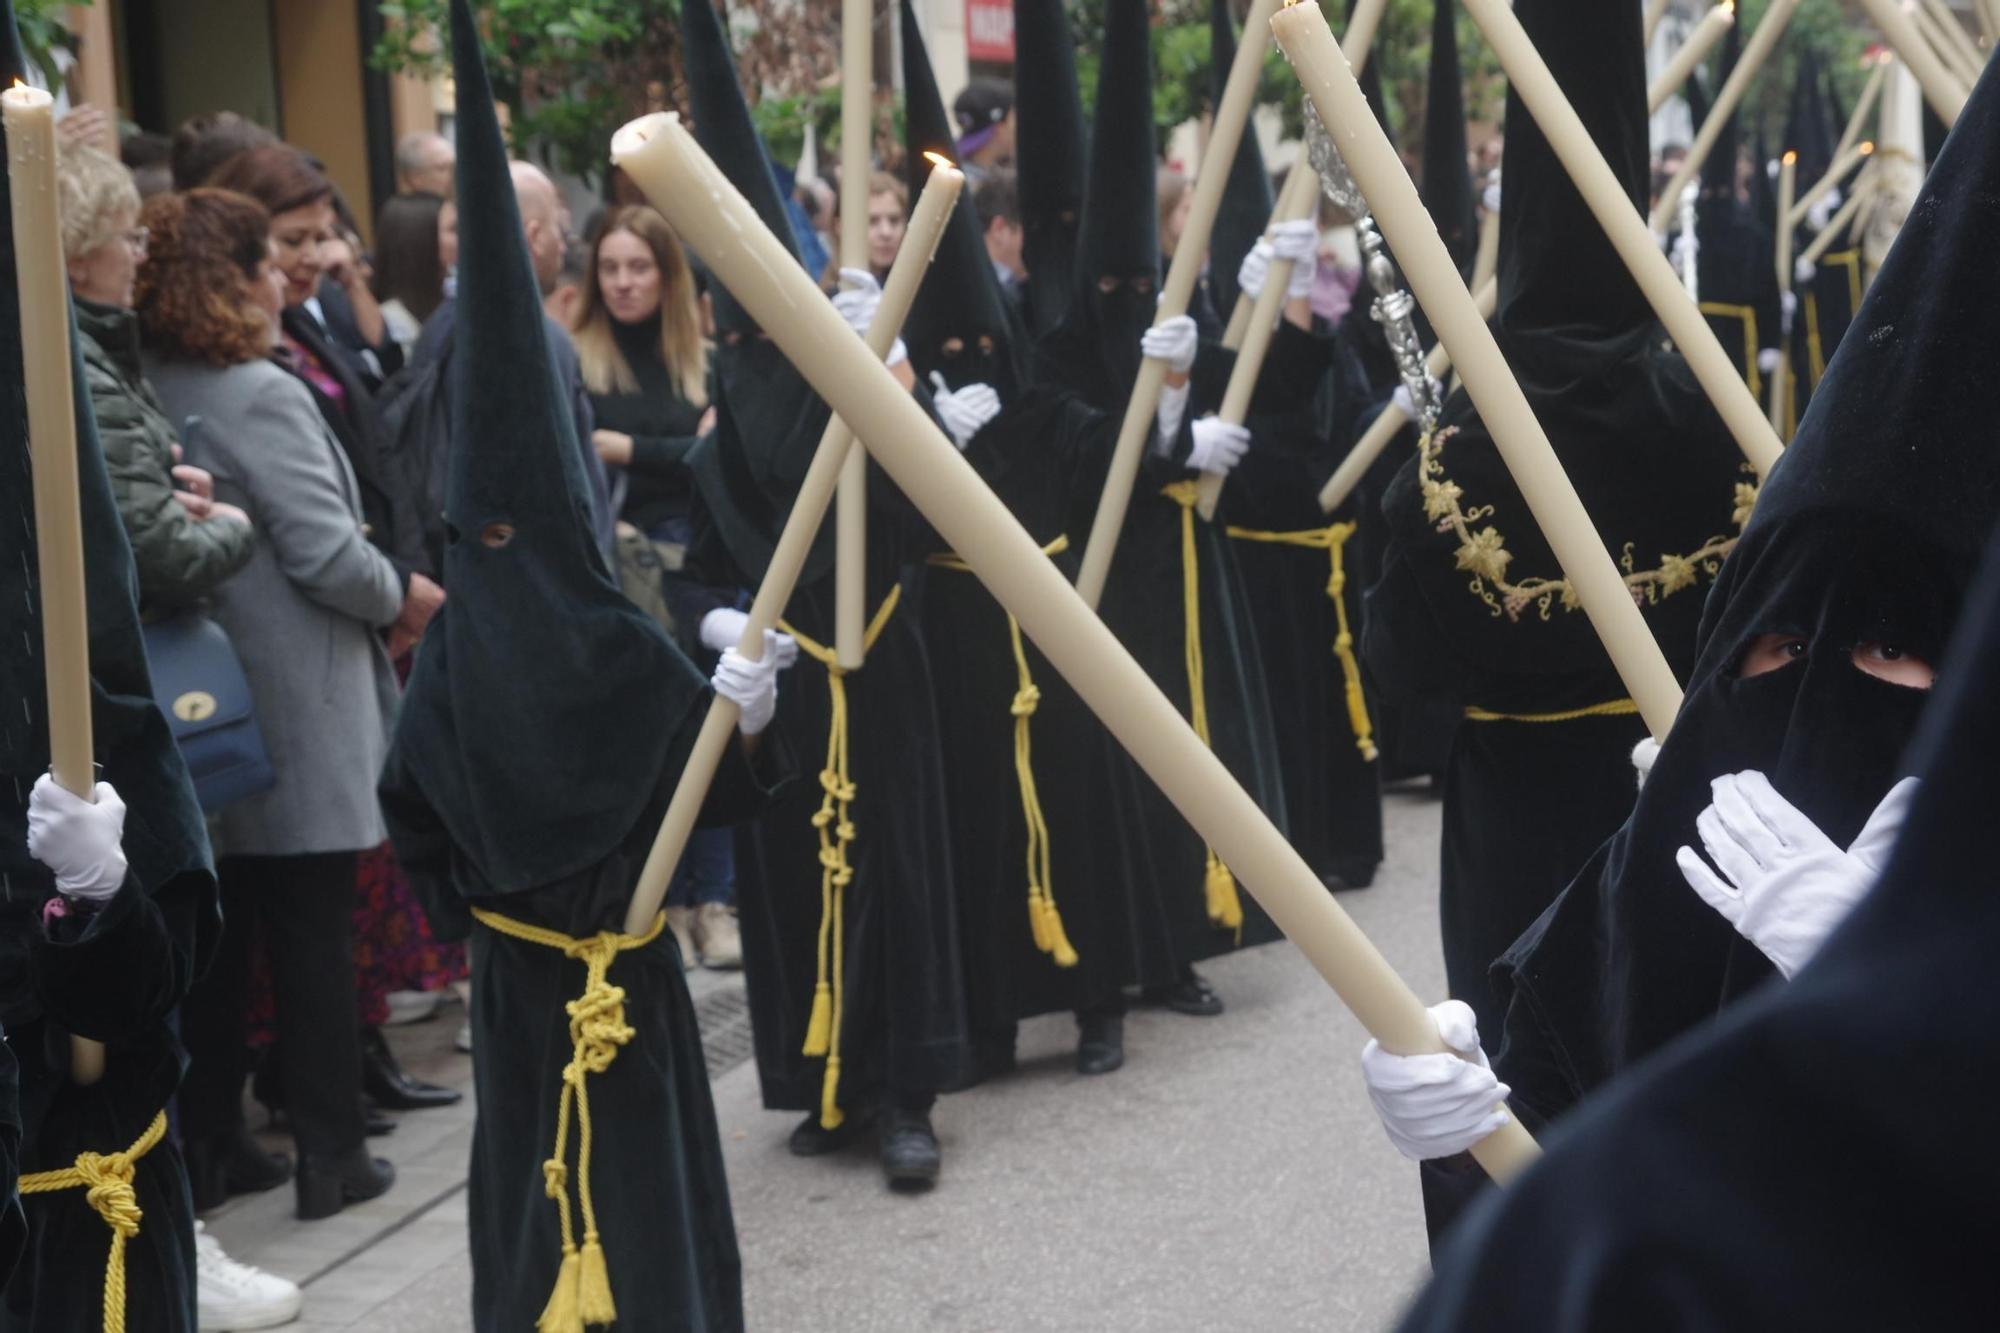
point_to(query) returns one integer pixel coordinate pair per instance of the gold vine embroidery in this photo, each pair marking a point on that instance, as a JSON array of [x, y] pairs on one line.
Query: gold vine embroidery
[[1482, 548]]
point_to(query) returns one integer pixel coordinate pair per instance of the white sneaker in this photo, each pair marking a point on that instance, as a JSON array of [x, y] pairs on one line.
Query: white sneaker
[[230, 1296], [411, 1006]]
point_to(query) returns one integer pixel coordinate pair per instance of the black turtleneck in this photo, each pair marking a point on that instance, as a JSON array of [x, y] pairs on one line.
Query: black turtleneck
[[662, 425]]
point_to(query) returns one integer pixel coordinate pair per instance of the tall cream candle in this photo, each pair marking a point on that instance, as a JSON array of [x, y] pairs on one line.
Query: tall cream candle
[[715, 220], [1390, 422], [1486, 259], [1942, 88], [1656, 11], [1835, 174], [1232, 112], [1698, 44], [1718, 373], [781, 575], [1836, 227], [1948, 39], [1762, 43], [1788, 172], [29, 116], [857, 133], [1864, 104]]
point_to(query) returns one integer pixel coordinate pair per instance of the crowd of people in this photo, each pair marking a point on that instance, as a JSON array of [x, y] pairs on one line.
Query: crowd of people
[[478, 511]]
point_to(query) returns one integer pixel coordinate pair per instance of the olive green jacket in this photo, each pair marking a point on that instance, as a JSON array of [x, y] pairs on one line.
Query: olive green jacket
[[180, 560]]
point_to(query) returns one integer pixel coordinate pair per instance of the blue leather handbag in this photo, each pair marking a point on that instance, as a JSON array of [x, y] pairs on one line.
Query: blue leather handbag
[[199, 684]]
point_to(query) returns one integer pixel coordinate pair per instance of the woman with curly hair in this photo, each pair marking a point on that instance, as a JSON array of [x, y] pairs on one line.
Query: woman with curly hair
[[304, 615]]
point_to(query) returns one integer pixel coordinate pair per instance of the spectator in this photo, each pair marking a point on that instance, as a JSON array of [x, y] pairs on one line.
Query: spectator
[[209, 301], [985, 113], [409, 263], [565, 302], [998, 203], [204, 143], [424, 164], [184, 544], [149, 157], [888, 217]]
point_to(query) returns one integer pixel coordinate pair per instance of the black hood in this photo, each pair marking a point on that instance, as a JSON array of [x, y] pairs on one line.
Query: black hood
[[961, 325], [1810, 130], [1867, 532], [1447, 183], [1718, 170], [543, 703], [1247, 197], [166, 842], [1049, 156], [723, 128], [1558, 271]]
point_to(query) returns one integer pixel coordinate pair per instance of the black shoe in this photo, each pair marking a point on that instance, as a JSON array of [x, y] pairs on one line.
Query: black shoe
[[328, 1184], [1354, 872], [811, 1139], [1100, 1043], [376, 1124], [389, 1087], [230, 1165], [910, 1156], [1190, 995]]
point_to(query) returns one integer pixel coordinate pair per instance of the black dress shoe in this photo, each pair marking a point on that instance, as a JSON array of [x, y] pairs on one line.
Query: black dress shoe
[[812, 1139], [910, 1156], [328, 1184], [229, 1165], [1190, 995], [389, 1087], [1351, 872], [1100, 1043]]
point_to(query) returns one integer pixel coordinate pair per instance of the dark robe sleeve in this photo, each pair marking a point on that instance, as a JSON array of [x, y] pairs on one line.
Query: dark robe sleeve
[[660, 455], [112, 973]]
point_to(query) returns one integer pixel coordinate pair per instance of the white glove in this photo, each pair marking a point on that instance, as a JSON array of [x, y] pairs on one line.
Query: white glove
[[1173, 341], [1437, 1105], [722, 629], [1167, 417], [77, 839], [857, 304], [1767, 360], [1821, 210], [964, 411], [1256, 266], [1789, 303], [1784, 884], [1297, 241], [1643, 755], [1400, 398], [1218, 446], [1492, 198], [751, 686], [1804, 271]]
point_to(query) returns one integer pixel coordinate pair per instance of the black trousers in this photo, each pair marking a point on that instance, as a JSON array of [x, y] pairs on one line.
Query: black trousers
[[306, 905]]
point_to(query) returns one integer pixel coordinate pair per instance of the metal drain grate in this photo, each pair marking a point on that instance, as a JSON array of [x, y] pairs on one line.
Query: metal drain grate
[[725, 1029]]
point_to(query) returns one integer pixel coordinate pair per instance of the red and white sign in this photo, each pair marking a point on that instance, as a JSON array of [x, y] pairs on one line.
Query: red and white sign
[[989, 30]]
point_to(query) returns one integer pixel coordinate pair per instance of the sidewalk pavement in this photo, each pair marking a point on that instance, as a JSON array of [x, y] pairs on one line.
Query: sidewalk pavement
[[1231, 1176]]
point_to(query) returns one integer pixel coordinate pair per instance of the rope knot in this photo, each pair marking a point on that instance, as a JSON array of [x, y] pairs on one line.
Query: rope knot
[[1027, 700], [107, 1179], [555, 1177]]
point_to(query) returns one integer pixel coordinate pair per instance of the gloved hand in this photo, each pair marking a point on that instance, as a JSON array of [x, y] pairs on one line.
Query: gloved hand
[[1643, 756], [1167, 417], [964, 411], [1437, 1105], [1297, 241], [1173, 341], [722, 630], [1256, 266], [77, 839], [857, 304], [1821, 210], [1491, 198], [1400, 397], [1804, 271], [1784, 884], [1218, 446], [1789, 302], [751, 686], [1767, 360]]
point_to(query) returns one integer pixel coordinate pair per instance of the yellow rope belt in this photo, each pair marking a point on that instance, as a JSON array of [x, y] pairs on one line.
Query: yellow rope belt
[[597, 1028], [1747, 315], [835, 827], [1815, 349], [1225, 909], [106, 1179], [1615, 708], [1043, 918], [1332, 540]]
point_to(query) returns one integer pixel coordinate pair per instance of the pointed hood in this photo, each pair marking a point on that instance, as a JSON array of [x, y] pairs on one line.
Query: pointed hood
[[1809, 130], [725, 131], [1718, 171], [1118, 248], [960, 325], [1247, 198], [166, 842], [1049, 156], [1763, 185], [543, 704], [1557, 269], [1447, 183]]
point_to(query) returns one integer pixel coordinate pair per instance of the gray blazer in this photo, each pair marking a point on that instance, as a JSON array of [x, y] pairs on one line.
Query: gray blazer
[[305, 610]]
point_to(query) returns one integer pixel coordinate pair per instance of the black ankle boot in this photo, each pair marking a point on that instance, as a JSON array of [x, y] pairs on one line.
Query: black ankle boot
[[910, 1155], [231, 1164], [1190, 995], [1100, 1043], [812, 1139], [328, 1184], [389, 1087]]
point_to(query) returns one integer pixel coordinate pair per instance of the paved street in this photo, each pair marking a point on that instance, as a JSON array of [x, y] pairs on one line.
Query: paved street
[[1231, 1176]]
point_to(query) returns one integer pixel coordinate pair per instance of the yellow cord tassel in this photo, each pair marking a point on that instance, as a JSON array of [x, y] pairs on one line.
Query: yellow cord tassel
[[1332, 540], [106, 1179], [597, 1030], [1224, 907], [835, 828]]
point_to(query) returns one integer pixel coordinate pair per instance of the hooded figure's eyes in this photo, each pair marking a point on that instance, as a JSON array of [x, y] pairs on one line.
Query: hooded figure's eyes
[[1107, 284], [1142, 286], [1770, 652], [496, 535], [986, 345], [1886, 661], [952, 346]]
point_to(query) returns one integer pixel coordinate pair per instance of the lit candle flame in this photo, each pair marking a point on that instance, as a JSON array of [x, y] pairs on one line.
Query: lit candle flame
[[1791, 155], [940, 160], [1867, 148]]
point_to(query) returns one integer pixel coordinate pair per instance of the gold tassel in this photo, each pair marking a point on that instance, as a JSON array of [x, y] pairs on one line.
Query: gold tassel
[[1058, 946], [830, 1116], [1224, 907], [594, 1303], [819, 1027], [561, 1314], [1038, 923]]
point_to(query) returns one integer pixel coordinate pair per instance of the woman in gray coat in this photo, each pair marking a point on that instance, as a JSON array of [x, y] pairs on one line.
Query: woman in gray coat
[[305, 615]]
